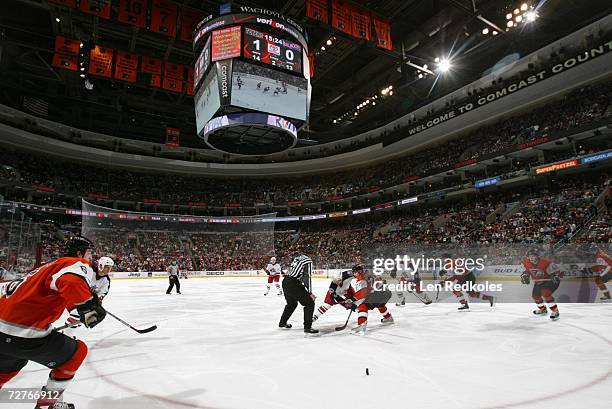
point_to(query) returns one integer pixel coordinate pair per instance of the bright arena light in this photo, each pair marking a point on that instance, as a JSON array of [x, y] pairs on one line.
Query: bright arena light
[[519, 19], [444, 65], [531, 16], [524, 6], [509, 16], [485, 30], [510, 23]]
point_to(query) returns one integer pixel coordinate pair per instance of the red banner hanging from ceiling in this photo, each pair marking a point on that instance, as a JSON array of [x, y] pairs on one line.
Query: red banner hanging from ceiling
[[163, 17], [189, 20], [100, 8], [318, 10], [383, 33], [341, 16], [360, 23], [150, 65], [133, 12], [189, 90], [66, 53], [126, 65], [101, 61], [173, 76], [173, 136]]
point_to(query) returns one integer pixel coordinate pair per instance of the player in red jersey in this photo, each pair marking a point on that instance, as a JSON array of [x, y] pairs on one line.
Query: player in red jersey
[[601, 268], [29, 307], [546, 279], [365, 299]]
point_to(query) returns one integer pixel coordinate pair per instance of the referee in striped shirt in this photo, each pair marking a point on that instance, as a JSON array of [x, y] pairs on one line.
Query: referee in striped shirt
[[297, 287]]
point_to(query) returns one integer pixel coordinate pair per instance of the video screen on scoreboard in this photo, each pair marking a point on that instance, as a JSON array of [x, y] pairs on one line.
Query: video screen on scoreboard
[[226, 43], [269, 90], [202, 64], [269, 49], [207, 101]]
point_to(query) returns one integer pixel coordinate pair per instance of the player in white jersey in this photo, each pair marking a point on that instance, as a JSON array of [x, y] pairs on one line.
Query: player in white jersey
[[273, 270], [100, 287]]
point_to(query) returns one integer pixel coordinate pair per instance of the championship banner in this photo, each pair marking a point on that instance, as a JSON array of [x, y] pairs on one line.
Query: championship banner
[[67, 3], [163, 17], [100, 8], [189, 90], [151, 65], [101, 61], [173, 71], [360, 23], [318, 10], [173, 137], [156, 81], [133, 12], [126, 66], [341, 16], [383, 33], [190, 18], [66, 53], [173, 77]]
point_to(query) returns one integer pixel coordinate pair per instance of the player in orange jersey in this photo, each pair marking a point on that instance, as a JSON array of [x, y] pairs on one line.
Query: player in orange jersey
[[29, 307], [546, 279]]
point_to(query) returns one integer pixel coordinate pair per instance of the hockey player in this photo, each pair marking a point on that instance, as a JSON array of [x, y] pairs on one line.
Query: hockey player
[[603, 266], [339, 292], [273, 270], [266, 89], [406, 278], [461, 275], [546, 279], [259, 85], [100, 287], [365, 300], [29, 307]]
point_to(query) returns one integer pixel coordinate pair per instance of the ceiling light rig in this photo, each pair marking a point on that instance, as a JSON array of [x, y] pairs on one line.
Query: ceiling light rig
[[369, 101]]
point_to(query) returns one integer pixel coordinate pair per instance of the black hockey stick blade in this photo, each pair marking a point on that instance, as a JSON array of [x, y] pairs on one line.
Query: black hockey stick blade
[[140, 331], [345, 324]]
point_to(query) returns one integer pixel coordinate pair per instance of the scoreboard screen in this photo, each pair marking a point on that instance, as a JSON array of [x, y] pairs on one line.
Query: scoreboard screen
[[269, 49], [226, 43]]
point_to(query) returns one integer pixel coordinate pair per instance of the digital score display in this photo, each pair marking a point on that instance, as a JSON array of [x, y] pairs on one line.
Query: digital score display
[[269, 49], [226, 43]]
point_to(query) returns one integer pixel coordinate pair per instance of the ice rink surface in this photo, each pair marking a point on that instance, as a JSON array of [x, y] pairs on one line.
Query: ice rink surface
[[218, 346]]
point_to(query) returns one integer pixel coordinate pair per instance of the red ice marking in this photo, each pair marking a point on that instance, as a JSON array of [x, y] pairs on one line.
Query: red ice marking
[[137, 392], [566, 392]]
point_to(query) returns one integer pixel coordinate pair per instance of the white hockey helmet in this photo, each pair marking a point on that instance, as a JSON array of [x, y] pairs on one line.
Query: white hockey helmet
[[105, 261], [273, 260]]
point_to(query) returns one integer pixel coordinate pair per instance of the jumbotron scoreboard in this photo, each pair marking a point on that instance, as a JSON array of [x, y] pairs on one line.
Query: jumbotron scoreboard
[[251, 81]]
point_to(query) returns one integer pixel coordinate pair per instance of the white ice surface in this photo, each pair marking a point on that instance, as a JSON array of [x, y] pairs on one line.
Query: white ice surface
[[218, 346]]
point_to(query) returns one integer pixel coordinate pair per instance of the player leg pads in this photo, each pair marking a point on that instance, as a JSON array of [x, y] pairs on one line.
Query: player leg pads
[[68, 369]]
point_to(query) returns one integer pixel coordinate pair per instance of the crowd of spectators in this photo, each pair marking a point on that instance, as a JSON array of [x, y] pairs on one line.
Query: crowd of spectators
[[578, 108], [570, 210]]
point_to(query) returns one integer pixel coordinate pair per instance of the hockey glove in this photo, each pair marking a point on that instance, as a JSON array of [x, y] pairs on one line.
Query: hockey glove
[[91, 312], [556, 280], [525, 278]]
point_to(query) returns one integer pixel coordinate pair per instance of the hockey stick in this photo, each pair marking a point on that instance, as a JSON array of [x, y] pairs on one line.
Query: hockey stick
[[77, 324], [345, 324], [420, 299], [140, 331]]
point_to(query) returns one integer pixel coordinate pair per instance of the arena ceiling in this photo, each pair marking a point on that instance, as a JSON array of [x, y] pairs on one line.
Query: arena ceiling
[[346, 73]]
